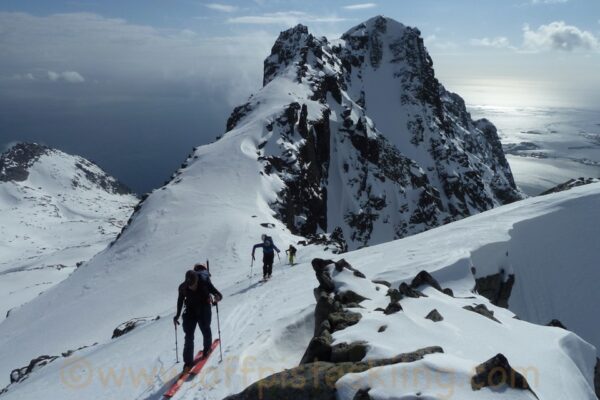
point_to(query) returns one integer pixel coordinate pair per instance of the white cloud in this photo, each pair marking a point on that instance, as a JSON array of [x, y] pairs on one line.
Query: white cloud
[[361, 6], [286, 18], [221, 7], [549, 1], [499, 42], [432, 41], [66, 76], [558, 36]]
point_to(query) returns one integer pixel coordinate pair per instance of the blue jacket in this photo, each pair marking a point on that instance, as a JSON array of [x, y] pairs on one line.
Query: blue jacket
[[267, 245]]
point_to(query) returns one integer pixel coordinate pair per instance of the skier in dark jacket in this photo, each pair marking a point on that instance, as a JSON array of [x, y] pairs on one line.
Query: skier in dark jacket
[[196, 293], [269, 249]]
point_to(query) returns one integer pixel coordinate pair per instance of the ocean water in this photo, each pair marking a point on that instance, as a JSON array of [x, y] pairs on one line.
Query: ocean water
[[546, 146]]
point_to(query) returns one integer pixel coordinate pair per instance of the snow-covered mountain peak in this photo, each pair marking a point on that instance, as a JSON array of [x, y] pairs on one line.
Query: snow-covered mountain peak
[[36, 165], [57, 210], [368, 144]]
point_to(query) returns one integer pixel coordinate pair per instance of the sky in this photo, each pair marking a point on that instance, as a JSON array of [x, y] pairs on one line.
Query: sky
[[135, 85]]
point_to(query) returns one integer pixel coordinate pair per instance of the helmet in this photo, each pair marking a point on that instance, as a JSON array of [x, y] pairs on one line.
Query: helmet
[[263, 236]]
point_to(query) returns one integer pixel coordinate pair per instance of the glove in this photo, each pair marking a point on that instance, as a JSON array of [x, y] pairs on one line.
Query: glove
[[176, 320]]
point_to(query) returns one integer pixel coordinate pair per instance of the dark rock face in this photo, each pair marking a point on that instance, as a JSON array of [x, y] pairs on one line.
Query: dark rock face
[[496, 288], [425, 278], [557, 324], [481, 309], [497, 372], [570, 184], [435, 316], [459, 167], [104, 181], [316, 381], [130, 325], [332, 314], [15, 163]]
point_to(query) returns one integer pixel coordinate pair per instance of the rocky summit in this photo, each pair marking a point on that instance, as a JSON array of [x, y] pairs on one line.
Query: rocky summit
[[373, 147]]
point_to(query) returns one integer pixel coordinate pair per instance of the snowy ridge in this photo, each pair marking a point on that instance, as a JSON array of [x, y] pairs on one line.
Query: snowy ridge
[[217, 206], [372, 147], [266, 328], [57, 210]]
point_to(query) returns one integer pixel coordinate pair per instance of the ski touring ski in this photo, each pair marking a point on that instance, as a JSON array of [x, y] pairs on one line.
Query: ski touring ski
[[199, 363]]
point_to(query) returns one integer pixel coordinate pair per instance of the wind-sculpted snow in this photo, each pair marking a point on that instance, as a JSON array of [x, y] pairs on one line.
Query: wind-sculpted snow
[[373, 146]]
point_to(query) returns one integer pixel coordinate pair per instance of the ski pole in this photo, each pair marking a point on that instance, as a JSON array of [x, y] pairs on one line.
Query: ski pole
[[219, 330], [176, 348], [251, 265]]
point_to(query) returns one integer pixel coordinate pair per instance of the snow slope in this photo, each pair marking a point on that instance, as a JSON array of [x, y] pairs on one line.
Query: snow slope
[[266, 327], [57, 210]]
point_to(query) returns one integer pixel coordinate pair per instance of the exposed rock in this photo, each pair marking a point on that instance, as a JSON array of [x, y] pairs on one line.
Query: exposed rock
[[570, 184], [341, 264], [497, 372], [448, 292], [348, 352], [323, 276], [382, 328], [556, 323], [15, 163], [392, 308], [319, 349], [130, 325], [342, 319], [435, 316], [482, 310], [316, 381], [468, 172], [348, 297], [409, 291], [496, 288], [381, 282], [20, 374], [362, 394], [425, 278]]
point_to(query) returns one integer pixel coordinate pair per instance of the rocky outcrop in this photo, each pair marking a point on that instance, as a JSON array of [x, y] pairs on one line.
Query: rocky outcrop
[[497, 288], [570, 184], [130, 325], [435, 316], [497, 373], [332, 314], [316, 381], [481, 309], [15, 163], [20, 374], [335, 135]]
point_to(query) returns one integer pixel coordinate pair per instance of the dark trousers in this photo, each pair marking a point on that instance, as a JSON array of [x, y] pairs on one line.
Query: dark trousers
[[268, 264], [201, 318]]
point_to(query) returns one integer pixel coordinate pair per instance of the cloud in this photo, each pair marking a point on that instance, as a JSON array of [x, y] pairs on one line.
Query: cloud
[[361, 6], [558, 36], [66, 76], [432, 41], [499, 42], [536, 2], [221, 7], [285, 18]]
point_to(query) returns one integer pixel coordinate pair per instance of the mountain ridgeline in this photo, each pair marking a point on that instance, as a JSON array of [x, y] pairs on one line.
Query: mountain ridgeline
[[374, 148]]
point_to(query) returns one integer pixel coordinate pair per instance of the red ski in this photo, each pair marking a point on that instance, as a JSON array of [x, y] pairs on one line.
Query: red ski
[[199, 363]]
